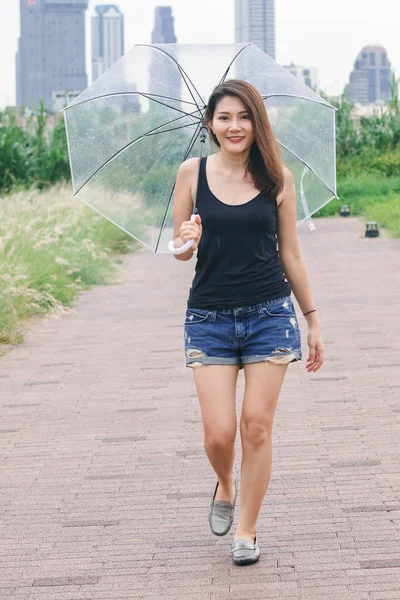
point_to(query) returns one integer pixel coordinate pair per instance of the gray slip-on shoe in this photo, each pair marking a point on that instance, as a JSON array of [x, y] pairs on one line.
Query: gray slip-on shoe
[[220, 515], [244, 552]]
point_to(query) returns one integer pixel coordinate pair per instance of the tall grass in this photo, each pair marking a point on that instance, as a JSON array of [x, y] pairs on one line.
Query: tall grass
[[51, 248]]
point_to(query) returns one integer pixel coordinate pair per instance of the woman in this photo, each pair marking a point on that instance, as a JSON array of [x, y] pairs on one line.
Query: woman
[[239, 312]]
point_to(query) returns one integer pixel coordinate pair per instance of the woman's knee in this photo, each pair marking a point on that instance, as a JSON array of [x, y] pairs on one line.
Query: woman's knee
[[219, 439], [256, 429]]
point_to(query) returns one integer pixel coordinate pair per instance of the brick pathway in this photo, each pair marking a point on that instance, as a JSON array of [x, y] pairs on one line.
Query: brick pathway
[[105, 483]]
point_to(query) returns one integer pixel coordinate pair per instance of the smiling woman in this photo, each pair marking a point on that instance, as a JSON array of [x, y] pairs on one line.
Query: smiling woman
[[242, 121], [240, 314]]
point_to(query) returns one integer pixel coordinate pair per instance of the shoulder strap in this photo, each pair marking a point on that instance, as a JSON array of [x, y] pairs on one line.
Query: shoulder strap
[[201, 180], [203, 167]]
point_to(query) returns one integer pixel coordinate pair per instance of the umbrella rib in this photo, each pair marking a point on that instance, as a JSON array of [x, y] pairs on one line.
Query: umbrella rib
[[173, 108], [188, 150], [181, 70], [122, 150], [194, 87], [308, 166], [173, 129], [301, 98], [115, 223], [192, 143], [184, 76], [317, 209], [130, 94], [169, 98], [164, 218], [232, 61]]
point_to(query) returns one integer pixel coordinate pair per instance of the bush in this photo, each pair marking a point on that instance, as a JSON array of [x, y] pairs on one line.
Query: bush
[[367, 136], [386, 164], [31, 156]]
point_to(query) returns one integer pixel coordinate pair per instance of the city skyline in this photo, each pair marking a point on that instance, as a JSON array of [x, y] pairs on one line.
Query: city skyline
[[164, 28], [305, 34], [308, 75], [159, 72], [370, 79], [51, 52], [255, 22], [107, 38]]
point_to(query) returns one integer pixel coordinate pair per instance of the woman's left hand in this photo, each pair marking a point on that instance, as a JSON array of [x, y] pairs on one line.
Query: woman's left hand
[[316, 349]]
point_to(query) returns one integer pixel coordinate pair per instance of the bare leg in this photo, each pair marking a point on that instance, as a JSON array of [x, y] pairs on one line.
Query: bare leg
[[216, 389], [263, 385]]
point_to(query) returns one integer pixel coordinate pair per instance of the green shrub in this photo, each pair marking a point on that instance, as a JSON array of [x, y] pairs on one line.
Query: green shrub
[[32, 156]]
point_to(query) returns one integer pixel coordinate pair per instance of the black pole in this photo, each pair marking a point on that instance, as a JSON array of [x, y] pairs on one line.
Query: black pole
[[203, 136]]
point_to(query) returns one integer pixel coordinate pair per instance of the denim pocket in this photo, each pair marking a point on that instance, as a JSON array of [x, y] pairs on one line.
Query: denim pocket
[[196, 315], [281, 308]]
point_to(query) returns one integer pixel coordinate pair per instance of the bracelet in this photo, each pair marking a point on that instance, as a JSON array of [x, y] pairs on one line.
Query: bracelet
[[310, 311]]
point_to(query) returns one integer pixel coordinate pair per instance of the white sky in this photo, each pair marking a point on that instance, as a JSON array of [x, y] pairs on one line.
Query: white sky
[[327, 35]]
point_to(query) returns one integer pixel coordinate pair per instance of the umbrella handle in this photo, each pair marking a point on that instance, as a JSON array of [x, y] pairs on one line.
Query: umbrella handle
[[182, 249]]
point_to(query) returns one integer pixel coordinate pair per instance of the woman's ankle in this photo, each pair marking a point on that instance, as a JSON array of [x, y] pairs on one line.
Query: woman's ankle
[[246, 533], [229, 481]]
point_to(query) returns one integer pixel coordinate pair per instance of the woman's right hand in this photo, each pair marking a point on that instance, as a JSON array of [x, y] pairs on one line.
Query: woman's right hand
[[191, 230]]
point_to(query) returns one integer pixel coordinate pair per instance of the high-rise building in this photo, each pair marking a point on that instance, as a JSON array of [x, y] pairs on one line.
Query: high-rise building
[[164, 77], [163, 32], [308, 75], [369, 80], [255, 22], [107, 38], [50, 61]]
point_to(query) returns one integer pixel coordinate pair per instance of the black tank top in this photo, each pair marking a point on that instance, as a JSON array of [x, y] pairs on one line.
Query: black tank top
[[238, 261]]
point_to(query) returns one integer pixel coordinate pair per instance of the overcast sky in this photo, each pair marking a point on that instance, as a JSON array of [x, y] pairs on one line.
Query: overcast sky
[[324, 34]]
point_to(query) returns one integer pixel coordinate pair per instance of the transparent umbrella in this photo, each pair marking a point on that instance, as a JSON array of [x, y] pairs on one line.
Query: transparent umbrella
[[132, 128]]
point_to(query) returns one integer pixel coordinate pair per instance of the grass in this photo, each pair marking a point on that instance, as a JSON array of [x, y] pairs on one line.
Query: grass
[[376, 198], [51, 248]]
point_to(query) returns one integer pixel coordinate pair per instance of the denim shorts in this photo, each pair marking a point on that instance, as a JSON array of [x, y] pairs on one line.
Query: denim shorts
[[268, 331]]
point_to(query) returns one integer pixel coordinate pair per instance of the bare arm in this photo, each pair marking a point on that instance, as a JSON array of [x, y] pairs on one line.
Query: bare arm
[[289, 249], [183, 207], [295, 268]]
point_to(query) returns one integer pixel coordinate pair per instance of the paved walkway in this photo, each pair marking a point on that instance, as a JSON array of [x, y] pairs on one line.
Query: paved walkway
[[105, 483]]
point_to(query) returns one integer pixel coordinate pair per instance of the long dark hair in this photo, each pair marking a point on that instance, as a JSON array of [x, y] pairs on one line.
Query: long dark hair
[[264, 163]]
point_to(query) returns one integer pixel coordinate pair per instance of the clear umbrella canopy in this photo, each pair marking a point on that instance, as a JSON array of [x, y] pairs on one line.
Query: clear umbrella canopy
[[131, 129]]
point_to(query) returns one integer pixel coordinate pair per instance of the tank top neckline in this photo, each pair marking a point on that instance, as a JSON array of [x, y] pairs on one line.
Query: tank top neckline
[[220, 201]]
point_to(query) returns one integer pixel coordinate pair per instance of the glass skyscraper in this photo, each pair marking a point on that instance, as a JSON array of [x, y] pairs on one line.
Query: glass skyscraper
[[369, 80], [107, 38], [50, 61], [163, 32], [164, 76], [255, 22]]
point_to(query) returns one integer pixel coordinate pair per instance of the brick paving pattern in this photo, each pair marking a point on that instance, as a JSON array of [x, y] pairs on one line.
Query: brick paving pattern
[[105, 484]]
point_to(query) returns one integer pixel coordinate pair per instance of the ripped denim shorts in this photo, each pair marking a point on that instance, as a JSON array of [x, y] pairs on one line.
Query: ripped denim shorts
[[268, 331]]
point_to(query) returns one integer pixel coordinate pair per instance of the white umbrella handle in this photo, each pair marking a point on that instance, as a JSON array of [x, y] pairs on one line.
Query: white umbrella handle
[[182, 249]]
